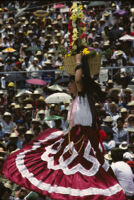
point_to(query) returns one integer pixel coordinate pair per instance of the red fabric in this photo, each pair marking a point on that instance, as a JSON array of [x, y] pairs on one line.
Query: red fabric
[[39, 168]]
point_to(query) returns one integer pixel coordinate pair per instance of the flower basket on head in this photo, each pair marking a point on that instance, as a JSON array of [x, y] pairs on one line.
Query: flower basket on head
[[77, 44], [93, 62]]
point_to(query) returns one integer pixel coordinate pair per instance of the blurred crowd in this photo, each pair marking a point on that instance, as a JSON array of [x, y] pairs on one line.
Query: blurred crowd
[[30, 41]]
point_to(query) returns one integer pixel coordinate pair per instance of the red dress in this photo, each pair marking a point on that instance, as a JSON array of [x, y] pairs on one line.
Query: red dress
[[65, 165]]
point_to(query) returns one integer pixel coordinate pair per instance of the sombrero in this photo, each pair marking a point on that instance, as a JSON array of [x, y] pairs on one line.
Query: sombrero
[[40, 13]]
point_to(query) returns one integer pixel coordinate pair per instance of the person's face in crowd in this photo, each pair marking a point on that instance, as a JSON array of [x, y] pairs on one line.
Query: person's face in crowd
[[119, 124], [6, 137], [109, 124], [23, 193], [7, 119], [42, 116], [124, 115], [113, 108], [72, 87], [131, 110]]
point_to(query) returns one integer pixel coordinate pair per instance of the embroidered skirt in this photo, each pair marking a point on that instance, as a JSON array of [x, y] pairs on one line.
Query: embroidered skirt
[[64, 166]]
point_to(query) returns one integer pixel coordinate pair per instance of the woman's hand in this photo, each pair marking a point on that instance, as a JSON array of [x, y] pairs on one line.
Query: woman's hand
[[78, 58]]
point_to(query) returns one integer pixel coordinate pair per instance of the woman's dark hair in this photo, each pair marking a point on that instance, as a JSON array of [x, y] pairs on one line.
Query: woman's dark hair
[[90, 87], [117, 154]]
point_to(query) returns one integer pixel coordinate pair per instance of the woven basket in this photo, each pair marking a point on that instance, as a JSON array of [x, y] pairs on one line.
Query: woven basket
[[93, 62]]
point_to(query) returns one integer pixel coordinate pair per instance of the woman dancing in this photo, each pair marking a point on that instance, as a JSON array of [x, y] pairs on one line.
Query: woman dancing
[[68, 165]]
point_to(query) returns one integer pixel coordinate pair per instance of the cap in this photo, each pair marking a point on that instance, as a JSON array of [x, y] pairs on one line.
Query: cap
[[17, 107], [11, 84]]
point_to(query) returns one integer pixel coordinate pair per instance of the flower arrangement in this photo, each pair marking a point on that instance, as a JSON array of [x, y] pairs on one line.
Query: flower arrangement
[[77, 43]]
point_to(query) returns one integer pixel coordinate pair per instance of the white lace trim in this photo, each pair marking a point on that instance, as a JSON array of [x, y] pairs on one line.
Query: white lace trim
[[58, 189]]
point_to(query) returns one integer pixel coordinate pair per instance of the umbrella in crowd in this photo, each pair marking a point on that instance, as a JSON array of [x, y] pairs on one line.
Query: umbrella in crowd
[[126, 38], [53, 117], [120, 12], [59, 6], [8, 50], [33, 48], [23, 92], [58, 98], [56, 88], [97, 3], [36, 82]]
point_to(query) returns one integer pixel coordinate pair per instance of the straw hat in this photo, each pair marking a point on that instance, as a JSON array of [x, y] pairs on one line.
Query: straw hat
[[48, 62], [2, 152], [41, 112], [118, 53], [28, 106], [132, 10], [7, 114], [130, 129], [114, 90], [35, 120], [51, 51], [123, 110], [29, 132], [128, 90], [108, 119], [8, 185], [17, 106], [106, 14], [110, 81], [40, 13], [108, 156], [38, 53], [107, 43], [131, 103], [13, 135], [36, 92], [123, 145]]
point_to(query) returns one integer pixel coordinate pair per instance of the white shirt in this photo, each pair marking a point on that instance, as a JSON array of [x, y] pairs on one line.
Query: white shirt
[[124, 176], [80, 112]]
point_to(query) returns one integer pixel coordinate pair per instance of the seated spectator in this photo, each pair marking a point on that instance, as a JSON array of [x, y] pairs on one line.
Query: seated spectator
[[109, 143], [7, 124], [122, 172], [120, 133]]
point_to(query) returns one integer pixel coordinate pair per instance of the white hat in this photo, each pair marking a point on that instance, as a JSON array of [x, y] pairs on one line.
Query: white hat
[[128, 156], [35, 58], [28, 106], [36, 92], [108, 156], [41, 112], [13, 135], [123, 145], [108, 119], [29, 132], [7, 114], [123, 110], [17, 106]]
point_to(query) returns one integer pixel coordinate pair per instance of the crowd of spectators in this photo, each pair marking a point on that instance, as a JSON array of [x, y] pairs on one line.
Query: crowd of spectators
[[33, 43]]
